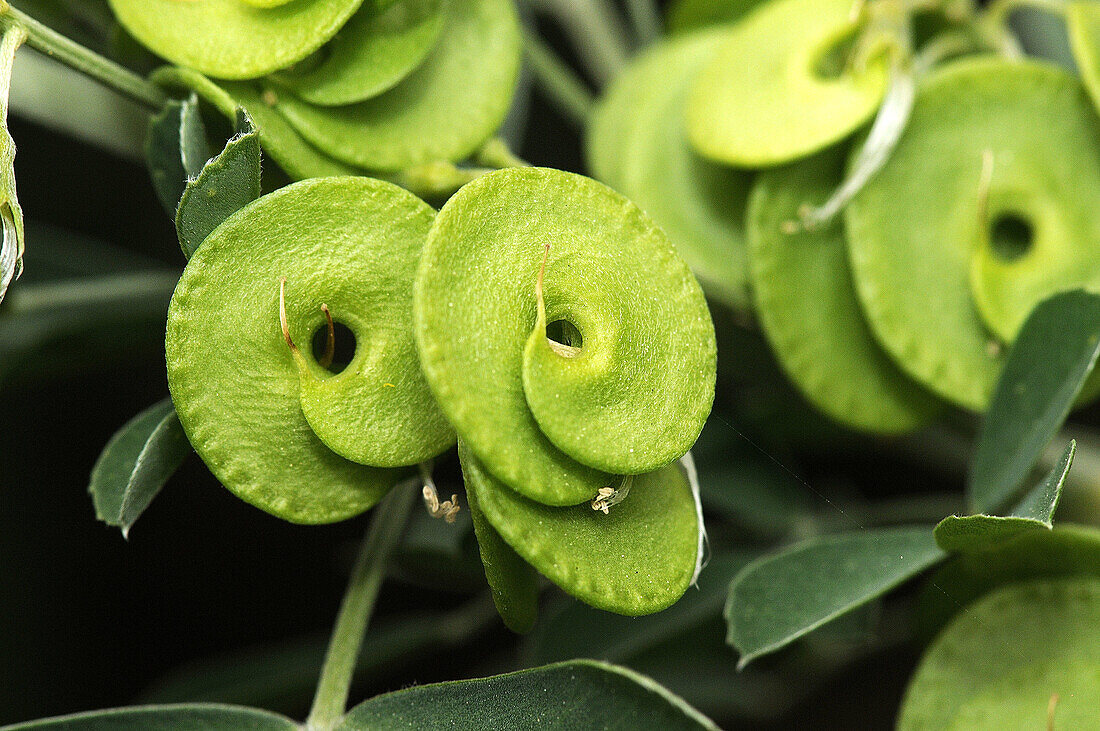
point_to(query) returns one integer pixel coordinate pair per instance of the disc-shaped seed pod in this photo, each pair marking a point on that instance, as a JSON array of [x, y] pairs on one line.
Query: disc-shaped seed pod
[[234, 39], [808, 307], [637, 144], [637, 559], [629, 381], [445, 110], [265, 412], [785, 84], [371, 54], [986, 207]]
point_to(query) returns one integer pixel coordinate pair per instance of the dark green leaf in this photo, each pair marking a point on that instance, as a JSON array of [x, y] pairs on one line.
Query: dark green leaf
[[194, 148], [223, 186], [165, 718], [1068, 550], [162, 155], [779, 598], [1035, 512], [582, 694], [1053, 356], [136, 463]]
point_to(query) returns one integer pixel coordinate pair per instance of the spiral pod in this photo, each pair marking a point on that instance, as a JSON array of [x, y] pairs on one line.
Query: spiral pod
[[276, 423], [637, 144], [552, 427], [235, 39], [999, 165], [749, 105], [809, 311], [444, 110]]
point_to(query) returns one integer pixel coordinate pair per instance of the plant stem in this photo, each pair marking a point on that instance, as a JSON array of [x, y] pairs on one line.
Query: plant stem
[[557, 80], [645, 19], [86, 61], [598, 32], [331, 699], [999, 11]]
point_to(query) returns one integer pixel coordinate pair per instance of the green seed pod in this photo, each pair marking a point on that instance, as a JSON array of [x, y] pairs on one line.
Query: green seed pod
[[270, 420], [808, 307], [1000, 661], [231, 39], [629, 381], [445, 110], [637, 559], [1000, 166], [638, 145], [784, 85], [371, 54]]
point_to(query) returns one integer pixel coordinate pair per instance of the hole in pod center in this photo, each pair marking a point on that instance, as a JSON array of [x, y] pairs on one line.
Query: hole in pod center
[[344, 350], [832, 60], [564, 338], [1011, 236]]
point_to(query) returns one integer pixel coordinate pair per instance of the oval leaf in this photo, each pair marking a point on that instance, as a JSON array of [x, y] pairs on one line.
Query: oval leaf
[[1035, 512], [192, 717], [1053, 356], [576, 695], [777, 599], [136, 463], [224, 185]]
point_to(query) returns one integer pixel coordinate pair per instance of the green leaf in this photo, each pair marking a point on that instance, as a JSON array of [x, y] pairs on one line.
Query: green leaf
[[173, 140], [582, 694], [223, 186], [206, 717], [1035, 512], [779, 598], [1068, 550], [1053, 356], [194, 148], [136, 463], [1000, 662]]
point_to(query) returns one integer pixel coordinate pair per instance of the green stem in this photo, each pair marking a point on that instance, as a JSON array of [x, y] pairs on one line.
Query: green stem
[[12, 40], [330, 702], [496, 154], [557, 80], [598, 32], [645, 19], [999, 11], [31, 299], [87, 62]]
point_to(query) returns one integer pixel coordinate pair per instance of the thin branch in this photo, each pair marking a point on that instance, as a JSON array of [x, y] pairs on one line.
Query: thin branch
[[645, 19], [330, 702], [564, 88], [88, 62], [597, 30]]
